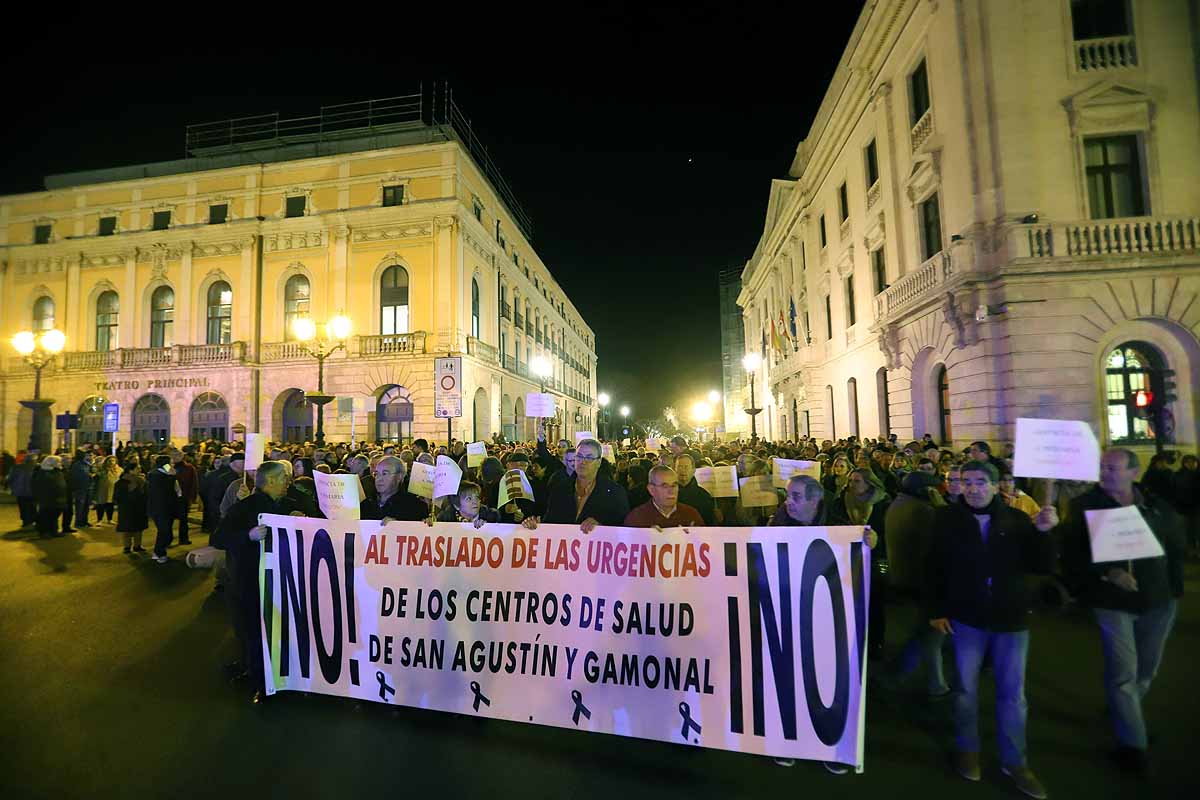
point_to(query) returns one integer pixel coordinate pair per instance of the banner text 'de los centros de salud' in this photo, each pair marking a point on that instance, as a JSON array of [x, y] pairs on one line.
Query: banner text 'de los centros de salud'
[[746, 639]]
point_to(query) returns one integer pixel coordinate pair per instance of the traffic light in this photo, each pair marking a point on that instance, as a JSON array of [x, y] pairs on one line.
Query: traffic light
[[1144, 403]]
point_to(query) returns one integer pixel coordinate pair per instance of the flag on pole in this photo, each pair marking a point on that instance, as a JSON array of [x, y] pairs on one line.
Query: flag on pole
[[775, 344], [783, 331], [792, 315]]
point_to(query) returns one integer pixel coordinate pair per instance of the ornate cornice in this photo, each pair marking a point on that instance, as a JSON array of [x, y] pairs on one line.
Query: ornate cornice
[[382, 234], [295, 240]]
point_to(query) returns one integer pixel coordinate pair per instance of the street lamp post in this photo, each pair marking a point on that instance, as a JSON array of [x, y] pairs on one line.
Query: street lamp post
[[603, 399], [625, 420], [751, 362], [37, 350], [337, 330]]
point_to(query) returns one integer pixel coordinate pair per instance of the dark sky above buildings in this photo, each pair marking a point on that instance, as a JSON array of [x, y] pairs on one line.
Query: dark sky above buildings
[[641, 141]]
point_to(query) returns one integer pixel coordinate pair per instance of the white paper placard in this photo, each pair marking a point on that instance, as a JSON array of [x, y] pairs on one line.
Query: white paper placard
[[1120, 534], [255, 444], [782, 469], [446, 476], [757, 491], [653, 444], [606, 451], [581, 435], [625, 442], [338, 495], [539, 405], [420, 480], [1065, 449], [718, 481], [476, 453]]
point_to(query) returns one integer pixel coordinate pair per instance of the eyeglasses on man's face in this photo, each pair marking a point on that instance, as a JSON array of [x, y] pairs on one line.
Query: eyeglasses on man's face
[[579, 457]]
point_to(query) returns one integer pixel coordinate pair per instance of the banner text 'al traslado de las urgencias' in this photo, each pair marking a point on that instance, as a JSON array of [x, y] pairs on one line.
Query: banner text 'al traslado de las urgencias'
[[746, 639]]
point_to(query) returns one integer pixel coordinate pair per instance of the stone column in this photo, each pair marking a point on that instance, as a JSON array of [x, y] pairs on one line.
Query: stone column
[[447, 279], [127, 320], [184, 302]]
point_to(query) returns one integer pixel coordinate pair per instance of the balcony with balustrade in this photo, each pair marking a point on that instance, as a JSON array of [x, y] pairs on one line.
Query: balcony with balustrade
[[482, 350], [1133, 237], [178, 355], [1109, 53]]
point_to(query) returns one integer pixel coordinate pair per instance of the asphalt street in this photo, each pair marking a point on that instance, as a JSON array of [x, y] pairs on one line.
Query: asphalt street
[[112, 686]]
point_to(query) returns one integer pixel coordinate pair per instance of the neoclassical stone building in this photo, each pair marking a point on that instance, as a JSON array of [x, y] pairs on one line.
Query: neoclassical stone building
[[995, 214], [177, 284]]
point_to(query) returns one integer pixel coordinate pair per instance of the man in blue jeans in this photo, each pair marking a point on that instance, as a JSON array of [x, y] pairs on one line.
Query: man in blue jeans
[[977, 595], [1133, 601]]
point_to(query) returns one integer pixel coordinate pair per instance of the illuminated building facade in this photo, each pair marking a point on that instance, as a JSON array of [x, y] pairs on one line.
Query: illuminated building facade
[[178, 284], [995, 214]]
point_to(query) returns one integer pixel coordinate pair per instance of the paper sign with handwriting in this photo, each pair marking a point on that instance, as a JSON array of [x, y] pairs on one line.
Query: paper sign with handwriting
[[1065, 449], [338, 495], [757, 491], [420, 480], [539, 405], [476, 453], [606, 452], [718, 481], [782, 470], [446, 476], [581, 435], [1120, 534]]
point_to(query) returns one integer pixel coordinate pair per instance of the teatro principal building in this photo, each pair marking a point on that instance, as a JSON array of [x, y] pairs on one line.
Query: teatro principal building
[[179, 284], [994, 214]]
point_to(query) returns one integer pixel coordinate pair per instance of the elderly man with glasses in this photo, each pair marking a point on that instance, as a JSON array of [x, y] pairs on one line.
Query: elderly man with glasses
[[663, 510], [590, 499]]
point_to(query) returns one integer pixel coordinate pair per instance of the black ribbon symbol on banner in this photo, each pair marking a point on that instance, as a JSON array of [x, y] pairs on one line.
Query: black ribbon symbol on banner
[[689, 724], [479, 696], [384, 689], [580, 708]]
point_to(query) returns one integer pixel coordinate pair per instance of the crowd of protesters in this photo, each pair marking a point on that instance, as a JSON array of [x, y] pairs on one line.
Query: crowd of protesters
[[953, 536]]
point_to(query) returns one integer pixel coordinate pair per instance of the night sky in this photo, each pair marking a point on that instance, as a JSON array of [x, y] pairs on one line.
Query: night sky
[[642, 143]]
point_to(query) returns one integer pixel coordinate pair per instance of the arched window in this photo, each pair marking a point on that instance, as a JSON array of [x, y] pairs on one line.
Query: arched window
[[943, 390], [852, 405], [209, 417], [151, 419], [475, 308], [220, 314], [394, 415], [881, 393], [296, 295], [43, 314], [91, 420], [162, 317], [393, 300], [108, 307], [830, 416], [1131, 367], [297, 417]]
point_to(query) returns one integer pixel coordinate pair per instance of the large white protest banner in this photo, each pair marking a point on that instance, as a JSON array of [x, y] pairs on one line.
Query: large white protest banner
[[1120, 534], [1065, 449], [746, 639], [339, 496], [718, 481], [782, 469]]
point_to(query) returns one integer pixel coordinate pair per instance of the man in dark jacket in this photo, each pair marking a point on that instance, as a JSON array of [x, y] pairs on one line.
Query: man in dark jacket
[[910, 523], [590, 499], [1134, 602], [189, 488], [390, 500], [691, 493], [20, 482], [212, 489], [79, 481], [51, 494], [239, 534], [977, 594], [162, 504]]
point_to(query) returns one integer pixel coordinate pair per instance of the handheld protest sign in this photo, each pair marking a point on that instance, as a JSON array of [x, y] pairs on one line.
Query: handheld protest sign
[[338, 495], [446, 477], [606, 452], [718, 481], [757, 492], [255, 446], [538, 404], [1064, 449], [476, 453], [782, 469], [581, 435], [1120, 534], [420, 480]]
